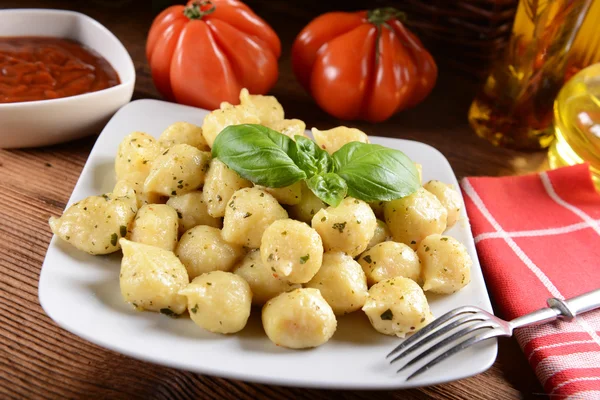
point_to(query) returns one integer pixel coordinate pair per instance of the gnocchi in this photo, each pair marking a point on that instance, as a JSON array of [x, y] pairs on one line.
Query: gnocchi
[[397, 306], [192, 211], [289, 195], [180, 169], [248, 214], [227, 115], [333, 139], [135, 181], [135, 154], [388, 260], [307, 207], [291, 249], [268, 109], [289, 127], [220, 184], [414, 217], [96, 223], [183, 133], [342, 283], [299, 319], [382, 233], [264, 283], [449, 198], [348, 227], [202, 249], [446, 264], [156, 225], [219, 302], [151, 278]]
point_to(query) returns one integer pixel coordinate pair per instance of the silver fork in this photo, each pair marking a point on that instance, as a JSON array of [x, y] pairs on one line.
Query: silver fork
[[471, 325]]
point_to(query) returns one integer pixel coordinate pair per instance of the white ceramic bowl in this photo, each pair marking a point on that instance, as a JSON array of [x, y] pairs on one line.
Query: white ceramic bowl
[[45, 122]]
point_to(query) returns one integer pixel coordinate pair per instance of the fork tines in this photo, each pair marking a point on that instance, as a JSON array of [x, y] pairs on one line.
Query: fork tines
[[423, 343]]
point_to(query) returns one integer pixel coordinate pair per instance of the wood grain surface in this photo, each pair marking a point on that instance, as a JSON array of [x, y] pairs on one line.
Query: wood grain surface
[[40, 360]]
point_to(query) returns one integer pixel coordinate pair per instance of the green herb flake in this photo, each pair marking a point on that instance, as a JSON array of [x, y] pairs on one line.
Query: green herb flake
[[368, 259], [413, 242], [445, 239], [273, 269], [174, 193], [323, 219], [179, 215], [283, 233], [105, 196], [209, 283], [387, 315], [194, 309], [304, 259], [247, 215], [113, 239], [423, 319], [219, 198], [262, 195], [426, 248], [123, 230], [165, 153], [339, 226], [168, 312]]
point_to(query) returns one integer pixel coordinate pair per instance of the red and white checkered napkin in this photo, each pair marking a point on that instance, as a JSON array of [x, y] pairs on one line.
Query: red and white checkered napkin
[[538, 236]]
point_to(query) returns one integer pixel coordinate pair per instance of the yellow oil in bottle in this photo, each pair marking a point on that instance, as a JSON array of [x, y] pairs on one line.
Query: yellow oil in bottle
[[514, 106], [577, 122]]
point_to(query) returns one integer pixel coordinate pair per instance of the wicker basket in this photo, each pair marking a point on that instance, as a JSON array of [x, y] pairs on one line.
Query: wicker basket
[[468, 34]]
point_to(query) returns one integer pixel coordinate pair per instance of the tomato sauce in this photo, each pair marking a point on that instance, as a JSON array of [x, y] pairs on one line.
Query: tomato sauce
[[42, 68]]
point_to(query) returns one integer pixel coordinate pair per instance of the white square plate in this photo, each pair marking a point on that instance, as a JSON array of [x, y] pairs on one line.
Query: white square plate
[[81, 293]]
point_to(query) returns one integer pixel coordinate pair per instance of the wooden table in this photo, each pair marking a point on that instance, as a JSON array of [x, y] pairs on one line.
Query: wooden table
[[40, 360]]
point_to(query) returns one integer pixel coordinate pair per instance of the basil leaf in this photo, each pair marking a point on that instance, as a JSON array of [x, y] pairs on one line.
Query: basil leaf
[[330, 188], [258, 154], [376, 173], [310, 157]]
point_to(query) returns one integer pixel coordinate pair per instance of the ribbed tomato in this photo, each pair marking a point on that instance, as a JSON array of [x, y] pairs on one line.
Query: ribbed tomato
[[363, 65], [205, 52]]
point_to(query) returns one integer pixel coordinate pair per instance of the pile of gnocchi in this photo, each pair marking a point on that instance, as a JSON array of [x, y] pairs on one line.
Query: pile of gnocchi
[[197, 237]]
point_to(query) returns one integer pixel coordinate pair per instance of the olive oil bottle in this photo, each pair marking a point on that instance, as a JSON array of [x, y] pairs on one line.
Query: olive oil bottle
[[514, 106], [577, 122]]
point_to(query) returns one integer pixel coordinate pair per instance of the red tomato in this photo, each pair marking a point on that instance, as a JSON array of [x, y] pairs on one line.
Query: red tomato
[[363, 65], [206, 52]]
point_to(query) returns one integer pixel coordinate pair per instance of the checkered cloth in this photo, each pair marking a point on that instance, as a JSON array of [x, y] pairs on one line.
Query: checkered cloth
[[538, 236]]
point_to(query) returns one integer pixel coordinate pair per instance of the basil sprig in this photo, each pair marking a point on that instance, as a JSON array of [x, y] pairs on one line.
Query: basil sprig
[[364, 171]]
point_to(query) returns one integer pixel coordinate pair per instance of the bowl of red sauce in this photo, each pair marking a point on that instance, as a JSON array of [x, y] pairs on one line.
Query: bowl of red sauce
[[62, 76]]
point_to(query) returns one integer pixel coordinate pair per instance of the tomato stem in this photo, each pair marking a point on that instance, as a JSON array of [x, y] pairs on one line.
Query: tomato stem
[[199, 9], [380, 16]]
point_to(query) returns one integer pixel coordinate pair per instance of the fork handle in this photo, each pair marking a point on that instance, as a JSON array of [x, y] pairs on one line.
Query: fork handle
[[564, 309]]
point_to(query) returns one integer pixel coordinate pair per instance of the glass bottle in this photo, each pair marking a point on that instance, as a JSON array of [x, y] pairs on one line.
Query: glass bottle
[[577, 122], [514, 106]]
